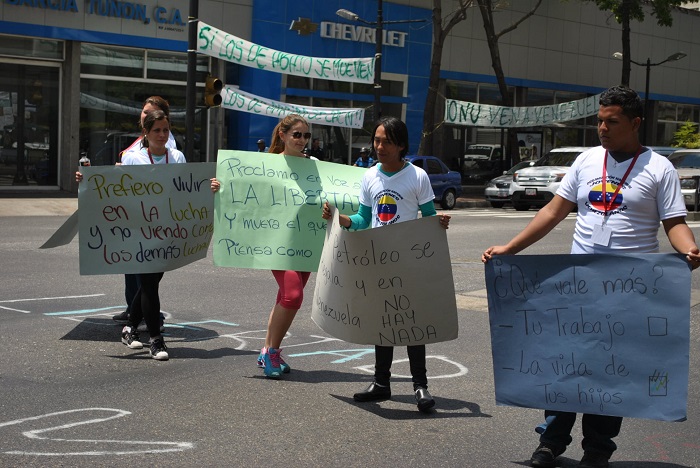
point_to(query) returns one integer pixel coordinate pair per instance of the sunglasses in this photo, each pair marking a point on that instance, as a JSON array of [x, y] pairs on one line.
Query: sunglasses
[[297, 135]]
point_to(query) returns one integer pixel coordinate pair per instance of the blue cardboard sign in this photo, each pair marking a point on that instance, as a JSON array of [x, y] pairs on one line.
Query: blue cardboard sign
[[598, 334]]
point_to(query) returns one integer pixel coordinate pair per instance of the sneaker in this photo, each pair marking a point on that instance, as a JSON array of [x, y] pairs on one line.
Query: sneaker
[[131, 338], [544, 456], [272, 363], [122, 318], [159, 351], [424, 400], [593, 460], [261, 357], [286, 369], [144, 328]]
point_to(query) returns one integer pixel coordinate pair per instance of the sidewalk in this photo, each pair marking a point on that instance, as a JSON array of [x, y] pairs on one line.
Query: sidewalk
[[25, 205], [38, 206]]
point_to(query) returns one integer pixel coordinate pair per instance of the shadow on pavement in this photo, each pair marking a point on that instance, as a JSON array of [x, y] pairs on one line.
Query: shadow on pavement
[[444, 408]]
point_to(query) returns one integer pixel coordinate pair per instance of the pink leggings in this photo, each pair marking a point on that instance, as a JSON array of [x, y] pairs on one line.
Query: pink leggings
[[291, 287]]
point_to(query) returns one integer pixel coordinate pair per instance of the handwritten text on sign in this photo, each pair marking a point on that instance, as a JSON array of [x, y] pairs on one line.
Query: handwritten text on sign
[[484, 115], [236, 99], [144, 219], [222, 45], [599, 334], [268, 210], [389, 286]]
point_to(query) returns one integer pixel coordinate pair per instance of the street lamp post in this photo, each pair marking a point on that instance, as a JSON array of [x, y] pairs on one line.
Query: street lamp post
[[378, 40], [648, 65]]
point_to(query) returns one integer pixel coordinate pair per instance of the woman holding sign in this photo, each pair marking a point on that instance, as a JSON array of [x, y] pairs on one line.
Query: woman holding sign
[[393, 191], [146, 303], [289, 138]]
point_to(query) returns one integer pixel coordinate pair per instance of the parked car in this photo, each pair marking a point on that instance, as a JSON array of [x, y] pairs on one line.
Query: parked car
[[663, 150], [536, 185], [687, 163], [481, 163], [447, 184], [496, 191]]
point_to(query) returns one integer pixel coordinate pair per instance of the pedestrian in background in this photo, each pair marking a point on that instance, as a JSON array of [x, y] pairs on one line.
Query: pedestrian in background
[[644, 191], [364, 160], [393, 191]]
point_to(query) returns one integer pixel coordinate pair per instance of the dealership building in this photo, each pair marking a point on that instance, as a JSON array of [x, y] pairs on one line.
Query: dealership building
[[75, 73]]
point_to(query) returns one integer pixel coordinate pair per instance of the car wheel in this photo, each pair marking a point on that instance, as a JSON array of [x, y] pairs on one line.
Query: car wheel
[[498, 204], [448, 200], [521, 206]]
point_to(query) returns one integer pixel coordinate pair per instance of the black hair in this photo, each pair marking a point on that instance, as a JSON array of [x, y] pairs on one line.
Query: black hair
[[624, 97], [396, 132]]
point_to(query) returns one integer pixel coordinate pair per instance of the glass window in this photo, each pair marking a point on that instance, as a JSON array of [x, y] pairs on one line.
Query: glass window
[[333, 86], [109, 116], [16, 46], [666, 111], [461, 91], [173, 66], [298, 82], [538, 97], [489, 94], [111, 61], [29, 117]]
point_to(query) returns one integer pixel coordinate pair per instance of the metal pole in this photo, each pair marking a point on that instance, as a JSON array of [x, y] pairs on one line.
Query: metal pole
[[378, 63], [191, 89], [645, 135]]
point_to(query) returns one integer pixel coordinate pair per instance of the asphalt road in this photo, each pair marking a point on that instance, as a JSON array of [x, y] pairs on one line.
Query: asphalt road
[[71, 394]]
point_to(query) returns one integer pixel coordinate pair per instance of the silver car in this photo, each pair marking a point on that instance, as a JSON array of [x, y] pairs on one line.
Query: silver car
[[687, 163], [497, 189]]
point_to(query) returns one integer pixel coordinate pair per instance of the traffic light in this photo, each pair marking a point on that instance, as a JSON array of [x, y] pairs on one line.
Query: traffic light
[[212, 91]]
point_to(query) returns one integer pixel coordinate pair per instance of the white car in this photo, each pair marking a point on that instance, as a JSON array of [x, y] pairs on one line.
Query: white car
[[687, 163], [537, 185], [496, 191]]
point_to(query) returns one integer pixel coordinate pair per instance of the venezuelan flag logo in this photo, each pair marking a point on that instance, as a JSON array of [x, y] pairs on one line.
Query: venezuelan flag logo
[[595, 197], [386, 209]]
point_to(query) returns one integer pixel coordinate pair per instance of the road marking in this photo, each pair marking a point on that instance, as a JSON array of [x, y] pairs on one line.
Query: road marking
[[461, 370], [36, 435], [84, 311], [49, 298], [15, 310]]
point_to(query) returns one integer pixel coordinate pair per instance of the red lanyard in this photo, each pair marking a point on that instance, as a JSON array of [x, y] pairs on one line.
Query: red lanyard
[[166, 156], [606, 204]]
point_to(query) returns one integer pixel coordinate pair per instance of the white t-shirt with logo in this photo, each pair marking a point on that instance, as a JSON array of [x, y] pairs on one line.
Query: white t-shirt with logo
[[396, 198], [651, 193]]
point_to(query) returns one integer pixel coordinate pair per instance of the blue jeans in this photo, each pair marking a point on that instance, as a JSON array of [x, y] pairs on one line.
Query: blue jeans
[[598, 431]]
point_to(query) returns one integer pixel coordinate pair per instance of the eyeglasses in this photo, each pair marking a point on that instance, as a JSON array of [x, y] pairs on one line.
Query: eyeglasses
[[297, 135]]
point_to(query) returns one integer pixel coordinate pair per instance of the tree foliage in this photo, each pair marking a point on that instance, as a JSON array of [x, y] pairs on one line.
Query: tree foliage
[[687, 136], [625, 11]]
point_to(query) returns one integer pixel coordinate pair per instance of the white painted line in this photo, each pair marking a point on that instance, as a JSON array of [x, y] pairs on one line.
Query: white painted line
[[50, 298], [15, 310], [35, 434]]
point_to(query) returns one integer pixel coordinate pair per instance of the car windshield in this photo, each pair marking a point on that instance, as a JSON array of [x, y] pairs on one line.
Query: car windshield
[[685, 160], [478, 151], [520, 165], [560, 158]]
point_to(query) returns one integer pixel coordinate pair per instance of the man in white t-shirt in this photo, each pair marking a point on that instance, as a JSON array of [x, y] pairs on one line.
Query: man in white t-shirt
[[622, 191]]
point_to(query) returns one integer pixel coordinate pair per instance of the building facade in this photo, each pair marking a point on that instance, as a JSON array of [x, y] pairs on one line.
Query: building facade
[[75, 73]]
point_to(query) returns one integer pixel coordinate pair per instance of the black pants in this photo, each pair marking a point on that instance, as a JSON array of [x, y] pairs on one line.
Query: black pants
[[131, 287], [146, 304], [384, 355], [598, 431]]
